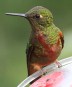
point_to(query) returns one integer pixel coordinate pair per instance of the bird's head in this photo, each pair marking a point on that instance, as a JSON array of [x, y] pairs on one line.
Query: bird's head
[[37, 16], [40, 16]]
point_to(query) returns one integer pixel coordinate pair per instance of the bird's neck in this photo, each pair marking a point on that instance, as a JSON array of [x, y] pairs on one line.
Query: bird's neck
[[36, 27]]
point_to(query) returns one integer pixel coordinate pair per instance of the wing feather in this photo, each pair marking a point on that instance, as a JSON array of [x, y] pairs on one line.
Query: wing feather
[[62, 38], [29, 51]]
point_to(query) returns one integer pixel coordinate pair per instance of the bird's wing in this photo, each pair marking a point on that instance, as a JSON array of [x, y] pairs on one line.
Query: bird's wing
[[29, 51], [62, 38]]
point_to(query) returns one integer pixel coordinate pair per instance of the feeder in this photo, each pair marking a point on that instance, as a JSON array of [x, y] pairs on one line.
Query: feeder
[[55, 77]]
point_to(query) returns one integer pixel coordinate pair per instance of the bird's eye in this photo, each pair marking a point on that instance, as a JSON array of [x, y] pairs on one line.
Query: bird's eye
[[37, 16]]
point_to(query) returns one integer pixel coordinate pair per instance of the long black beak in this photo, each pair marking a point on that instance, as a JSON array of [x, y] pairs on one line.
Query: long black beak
[[16, 14]]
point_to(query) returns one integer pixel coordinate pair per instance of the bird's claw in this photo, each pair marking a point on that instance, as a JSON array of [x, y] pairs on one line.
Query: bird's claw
[[58, 64]]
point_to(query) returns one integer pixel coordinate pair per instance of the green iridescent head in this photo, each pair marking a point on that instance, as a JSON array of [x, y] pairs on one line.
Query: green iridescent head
[[40, 15]]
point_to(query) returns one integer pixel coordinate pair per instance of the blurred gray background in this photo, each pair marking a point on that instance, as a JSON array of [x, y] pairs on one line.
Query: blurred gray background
[[15, 31]]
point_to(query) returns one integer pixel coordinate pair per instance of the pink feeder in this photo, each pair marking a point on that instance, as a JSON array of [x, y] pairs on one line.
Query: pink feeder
[[55, 77]]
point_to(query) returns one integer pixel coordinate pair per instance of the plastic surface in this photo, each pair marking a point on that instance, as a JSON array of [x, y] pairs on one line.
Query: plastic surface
[[56, 77], [59, 78]]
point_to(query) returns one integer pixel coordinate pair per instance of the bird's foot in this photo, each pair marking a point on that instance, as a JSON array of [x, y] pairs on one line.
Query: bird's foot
[[38, 67], [58, 64], [43, 72]]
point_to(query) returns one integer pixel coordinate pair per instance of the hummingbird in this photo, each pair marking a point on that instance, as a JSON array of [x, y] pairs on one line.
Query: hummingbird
[[46, 40]]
